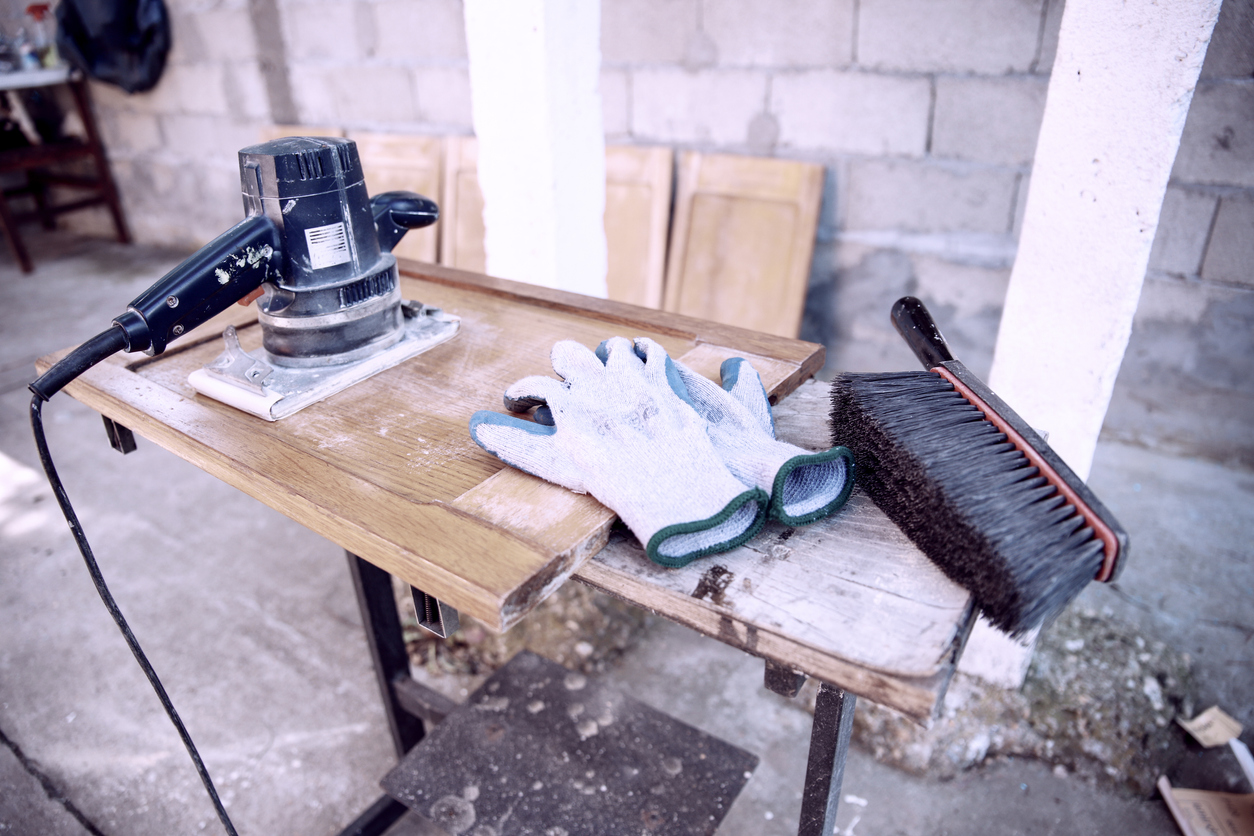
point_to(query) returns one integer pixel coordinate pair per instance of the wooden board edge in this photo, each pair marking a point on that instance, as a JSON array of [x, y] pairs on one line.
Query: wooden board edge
[[545, 583], [94, 390], [918, 697]]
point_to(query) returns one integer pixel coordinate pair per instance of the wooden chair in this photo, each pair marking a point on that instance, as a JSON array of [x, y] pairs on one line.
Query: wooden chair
[[54, 164], [742, 240]]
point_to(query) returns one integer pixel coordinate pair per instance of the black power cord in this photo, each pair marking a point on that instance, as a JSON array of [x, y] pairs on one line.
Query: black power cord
[[78, 361]]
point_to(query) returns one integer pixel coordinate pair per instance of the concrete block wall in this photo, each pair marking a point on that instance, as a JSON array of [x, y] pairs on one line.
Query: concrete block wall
[[237, 66], [924, 112]]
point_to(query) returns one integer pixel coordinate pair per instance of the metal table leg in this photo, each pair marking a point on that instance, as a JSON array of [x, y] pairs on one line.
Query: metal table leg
[[407, 704], [391, 666], [829, 746], [387, 647]]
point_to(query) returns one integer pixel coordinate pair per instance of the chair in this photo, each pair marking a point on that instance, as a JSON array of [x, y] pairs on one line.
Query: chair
[[42, 166]]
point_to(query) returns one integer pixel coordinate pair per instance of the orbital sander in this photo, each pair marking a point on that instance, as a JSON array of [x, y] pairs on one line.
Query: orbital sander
[[333, 314], [318, 250]]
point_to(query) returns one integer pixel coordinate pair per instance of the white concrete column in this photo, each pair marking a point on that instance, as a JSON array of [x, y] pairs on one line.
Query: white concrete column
[[1118, 96], [534, 76]]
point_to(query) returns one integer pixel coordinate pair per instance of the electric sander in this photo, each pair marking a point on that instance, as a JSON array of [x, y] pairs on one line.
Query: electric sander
[[319, 251], [332, 314]]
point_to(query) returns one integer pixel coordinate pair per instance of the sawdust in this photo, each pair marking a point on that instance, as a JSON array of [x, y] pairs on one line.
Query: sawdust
[[1099, 702]]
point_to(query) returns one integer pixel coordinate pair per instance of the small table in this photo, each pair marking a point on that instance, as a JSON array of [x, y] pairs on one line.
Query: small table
[[387, 470], [32, 161]]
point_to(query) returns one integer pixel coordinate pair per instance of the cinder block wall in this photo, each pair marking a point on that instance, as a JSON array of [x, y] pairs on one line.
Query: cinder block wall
[[925, 113]]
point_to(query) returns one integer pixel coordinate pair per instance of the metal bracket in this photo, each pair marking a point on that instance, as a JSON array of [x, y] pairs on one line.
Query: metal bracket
[[238, 366], [829, 748], [120, 437], [434, 616], [783, 680]]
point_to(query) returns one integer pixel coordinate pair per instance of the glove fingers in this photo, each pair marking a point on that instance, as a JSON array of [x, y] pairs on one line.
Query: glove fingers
[[617, 355], [532, 391], [528, 446], [661, 369], [572, 361], [742, 382]]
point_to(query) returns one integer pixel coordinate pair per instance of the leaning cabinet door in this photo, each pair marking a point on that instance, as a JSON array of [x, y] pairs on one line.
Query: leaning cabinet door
[[742, 240], [637, 214], [400, 162]]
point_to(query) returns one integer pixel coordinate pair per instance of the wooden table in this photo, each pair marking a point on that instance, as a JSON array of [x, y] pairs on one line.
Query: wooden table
[[387, 470]]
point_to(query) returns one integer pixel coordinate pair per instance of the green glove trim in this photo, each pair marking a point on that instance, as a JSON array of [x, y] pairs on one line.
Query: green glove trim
[[738, 522], [803, 486]]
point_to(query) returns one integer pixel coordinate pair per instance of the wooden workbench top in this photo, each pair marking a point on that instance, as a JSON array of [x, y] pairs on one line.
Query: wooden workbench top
[[848, 600], [387, 469]]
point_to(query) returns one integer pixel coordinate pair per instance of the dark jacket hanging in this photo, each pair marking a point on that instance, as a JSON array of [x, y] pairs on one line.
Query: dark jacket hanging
[[123, 42]]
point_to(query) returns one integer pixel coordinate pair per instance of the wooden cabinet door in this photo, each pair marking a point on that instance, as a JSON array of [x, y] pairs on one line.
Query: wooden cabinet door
[[400, 162], [461, 209], [269, 132], [637, 218], [742, 240]]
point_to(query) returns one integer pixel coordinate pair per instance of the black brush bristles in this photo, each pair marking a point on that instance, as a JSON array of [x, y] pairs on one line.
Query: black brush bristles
[[967, 497]]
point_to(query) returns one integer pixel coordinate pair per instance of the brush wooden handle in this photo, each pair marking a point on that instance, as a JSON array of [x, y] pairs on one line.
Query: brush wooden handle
[[919, 330]]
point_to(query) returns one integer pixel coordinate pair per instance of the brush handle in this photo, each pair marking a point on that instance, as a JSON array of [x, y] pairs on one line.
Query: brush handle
[[919, 330]]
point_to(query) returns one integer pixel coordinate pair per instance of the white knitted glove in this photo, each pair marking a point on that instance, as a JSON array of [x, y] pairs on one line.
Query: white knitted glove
[[803, 486], [620, 433]]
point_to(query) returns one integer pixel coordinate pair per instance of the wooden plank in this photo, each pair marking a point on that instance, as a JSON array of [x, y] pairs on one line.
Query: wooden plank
[[404, 162], [387, 468], [848, 600], [461, 207], [637, 217], [804, 357], [742, 240]]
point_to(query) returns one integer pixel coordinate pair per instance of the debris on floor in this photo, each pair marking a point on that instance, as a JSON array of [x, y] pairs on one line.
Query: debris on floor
[[576, 626], [1202, 813], [1099, 702]]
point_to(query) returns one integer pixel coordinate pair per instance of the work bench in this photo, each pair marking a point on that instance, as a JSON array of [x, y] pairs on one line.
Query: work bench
[[387, 470]]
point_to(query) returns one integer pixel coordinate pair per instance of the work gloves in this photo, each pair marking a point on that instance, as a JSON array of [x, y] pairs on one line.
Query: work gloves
[[692, 469], [803, 486]]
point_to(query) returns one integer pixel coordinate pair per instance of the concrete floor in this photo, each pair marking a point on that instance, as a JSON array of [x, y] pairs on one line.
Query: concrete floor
[[252, 624]]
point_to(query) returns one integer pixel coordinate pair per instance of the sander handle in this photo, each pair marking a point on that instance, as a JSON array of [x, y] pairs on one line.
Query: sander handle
[[223, 271], [396, 213], [216, 276]]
